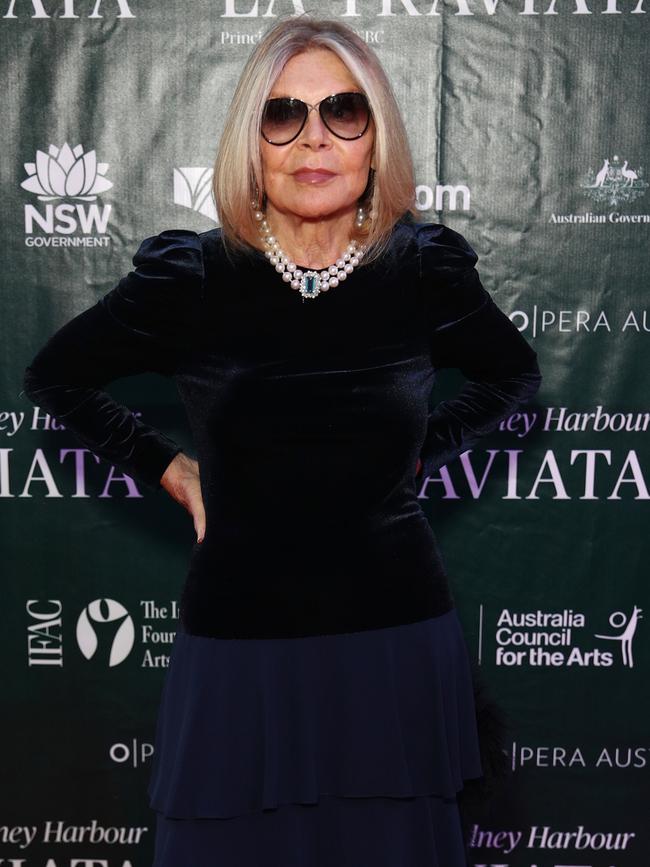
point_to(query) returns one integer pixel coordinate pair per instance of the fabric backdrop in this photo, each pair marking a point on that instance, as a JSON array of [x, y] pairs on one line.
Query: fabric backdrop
[[529, 126]]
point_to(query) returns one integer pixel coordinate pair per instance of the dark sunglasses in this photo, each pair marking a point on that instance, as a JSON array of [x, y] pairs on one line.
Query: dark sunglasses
[[346, 115]]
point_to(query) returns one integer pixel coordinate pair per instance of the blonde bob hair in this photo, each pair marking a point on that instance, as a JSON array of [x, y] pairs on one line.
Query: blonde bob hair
[[238, 178]]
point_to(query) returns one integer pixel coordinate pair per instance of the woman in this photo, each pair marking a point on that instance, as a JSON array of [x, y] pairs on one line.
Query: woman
[[318, 707]]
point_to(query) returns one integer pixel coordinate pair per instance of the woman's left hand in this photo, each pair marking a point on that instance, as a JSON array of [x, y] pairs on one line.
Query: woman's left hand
[[181, 480]]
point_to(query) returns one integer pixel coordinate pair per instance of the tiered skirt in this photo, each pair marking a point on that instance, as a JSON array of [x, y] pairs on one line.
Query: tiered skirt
[[322, 751]]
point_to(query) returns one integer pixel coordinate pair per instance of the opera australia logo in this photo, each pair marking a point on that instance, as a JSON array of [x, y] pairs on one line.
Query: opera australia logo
[[614, 183], [110, 621], [193, 190], [69, 174]]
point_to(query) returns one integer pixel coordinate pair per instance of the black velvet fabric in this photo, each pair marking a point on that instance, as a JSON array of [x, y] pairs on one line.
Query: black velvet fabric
[[308, 417]]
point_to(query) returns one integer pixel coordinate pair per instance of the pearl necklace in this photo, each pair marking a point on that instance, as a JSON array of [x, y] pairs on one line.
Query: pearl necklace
[[310, 283]]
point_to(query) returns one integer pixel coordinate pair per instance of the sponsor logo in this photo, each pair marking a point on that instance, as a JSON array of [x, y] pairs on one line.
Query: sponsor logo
[[192, 188], [538, 320], [611, 184], [556, 639], [614, 183], [106, 633], [132, 754], [72, 175], [627, 625], [556, 756], [99, 612]]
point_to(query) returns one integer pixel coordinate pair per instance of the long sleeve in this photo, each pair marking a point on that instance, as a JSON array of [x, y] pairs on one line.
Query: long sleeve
[[471, 333], [139, 326]]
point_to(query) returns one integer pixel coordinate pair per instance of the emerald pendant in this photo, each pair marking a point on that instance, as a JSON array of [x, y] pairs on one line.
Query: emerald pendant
[[309, 287]]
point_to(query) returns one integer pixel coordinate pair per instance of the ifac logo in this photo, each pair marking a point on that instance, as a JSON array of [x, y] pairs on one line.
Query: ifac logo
[[614, 183], [72, 175], [117, 643]]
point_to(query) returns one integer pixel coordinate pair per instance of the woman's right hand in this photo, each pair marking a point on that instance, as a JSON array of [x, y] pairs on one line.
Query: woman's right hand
[[182, 482]]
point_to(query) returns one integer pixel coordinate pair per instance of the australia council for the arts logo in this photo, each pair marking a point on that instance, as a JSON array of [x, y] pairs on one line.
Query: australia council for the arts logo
[[555, 638]]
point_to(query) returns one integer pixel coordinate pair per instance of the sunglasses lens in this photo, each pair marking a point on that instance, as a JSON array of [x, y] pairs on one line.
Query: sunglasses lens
[[282, 119], [346, 114]]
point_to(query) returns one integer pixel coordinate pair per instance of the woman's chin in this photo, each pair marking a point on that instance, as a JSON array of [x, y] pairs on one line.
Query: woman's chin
[[314, 207]]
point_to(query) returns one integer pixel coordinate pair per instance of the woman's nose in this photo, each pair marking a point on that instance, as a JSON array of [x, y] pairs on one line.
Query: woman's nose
[[314, 131]]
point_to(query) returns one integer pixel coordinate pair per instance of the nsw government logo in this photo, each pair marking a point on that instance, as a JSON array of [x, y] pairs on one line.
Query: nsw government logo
[[76, 177], [552, 639]]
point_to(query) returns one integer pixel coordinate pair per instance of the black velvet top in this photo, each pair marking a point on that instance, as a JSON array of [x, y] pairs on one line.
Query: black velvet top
[[308, 418]]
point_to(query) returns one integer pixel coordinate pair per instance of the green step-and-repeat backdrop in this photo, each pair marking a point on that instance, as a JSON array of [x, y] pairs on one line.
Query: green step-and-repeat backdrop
[[528, 121]]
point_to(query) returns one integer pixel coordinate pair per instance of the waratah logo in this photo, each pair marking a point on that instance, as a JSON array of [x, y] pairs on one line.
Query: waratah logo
[[614, 183], [66, 173]]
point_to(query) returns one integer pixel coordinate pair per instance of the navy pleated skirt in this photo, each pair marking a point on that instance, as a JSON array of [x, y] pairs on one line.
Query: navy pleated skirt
[[320, 751]]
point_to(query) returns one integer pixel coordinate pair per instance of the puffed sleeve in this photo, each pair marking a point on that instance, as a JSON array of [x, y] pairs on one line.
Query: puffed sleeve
[[140, 326], [468, 331]]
